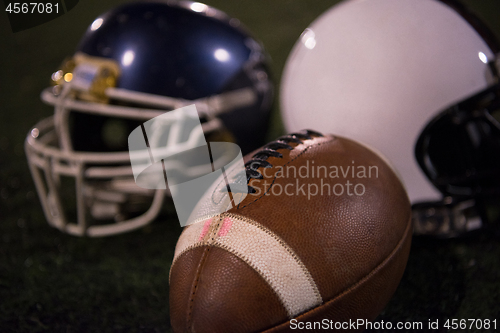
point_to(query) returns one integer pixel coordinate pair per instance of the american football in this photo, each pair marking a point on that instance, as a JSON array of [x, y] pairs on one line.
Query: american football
[[323, 234]]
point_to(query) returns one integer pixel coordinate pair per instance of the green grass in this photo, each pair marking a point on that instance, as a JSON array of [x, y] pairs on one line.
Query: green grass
[[52, 282]]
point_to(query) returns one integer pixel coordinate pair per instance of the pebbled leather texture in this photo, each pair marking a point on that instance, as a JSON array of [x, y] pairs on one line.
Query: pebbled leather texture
[[238, 272]]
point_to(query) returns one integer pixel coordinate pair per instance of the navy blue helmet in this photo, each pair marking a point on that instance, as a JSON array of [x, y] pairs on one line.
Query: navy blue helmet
[[136, 62], [186, 51]]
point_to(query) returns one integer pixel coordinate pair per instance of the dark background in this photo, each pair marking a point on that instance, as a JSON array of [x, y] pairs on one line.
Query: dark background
[[54, 282]]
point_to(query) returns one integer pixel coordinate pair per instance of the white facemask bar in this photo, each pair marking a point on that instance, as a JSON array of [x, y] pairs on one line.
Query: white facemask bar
[[210, 107], [50, 163]]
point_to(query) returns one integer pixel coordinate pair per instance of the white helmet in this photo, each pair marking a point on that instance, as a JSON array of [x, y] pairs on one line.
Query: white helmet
[[391, 73]]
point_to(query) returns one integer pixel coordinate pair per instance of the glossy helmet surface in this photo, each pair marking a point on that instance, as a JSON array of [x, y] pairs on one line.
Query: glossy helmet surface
[[134, 63], [416, 80]]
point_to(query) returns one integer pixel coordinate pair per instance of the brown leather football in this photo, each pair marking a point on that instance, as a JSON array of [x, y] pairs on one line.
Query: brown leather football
[[322, 236]]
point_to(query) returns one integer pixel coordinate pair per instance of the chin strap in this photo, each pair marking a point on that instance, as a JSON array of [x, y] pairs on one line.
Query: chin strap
[[446, 219]]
